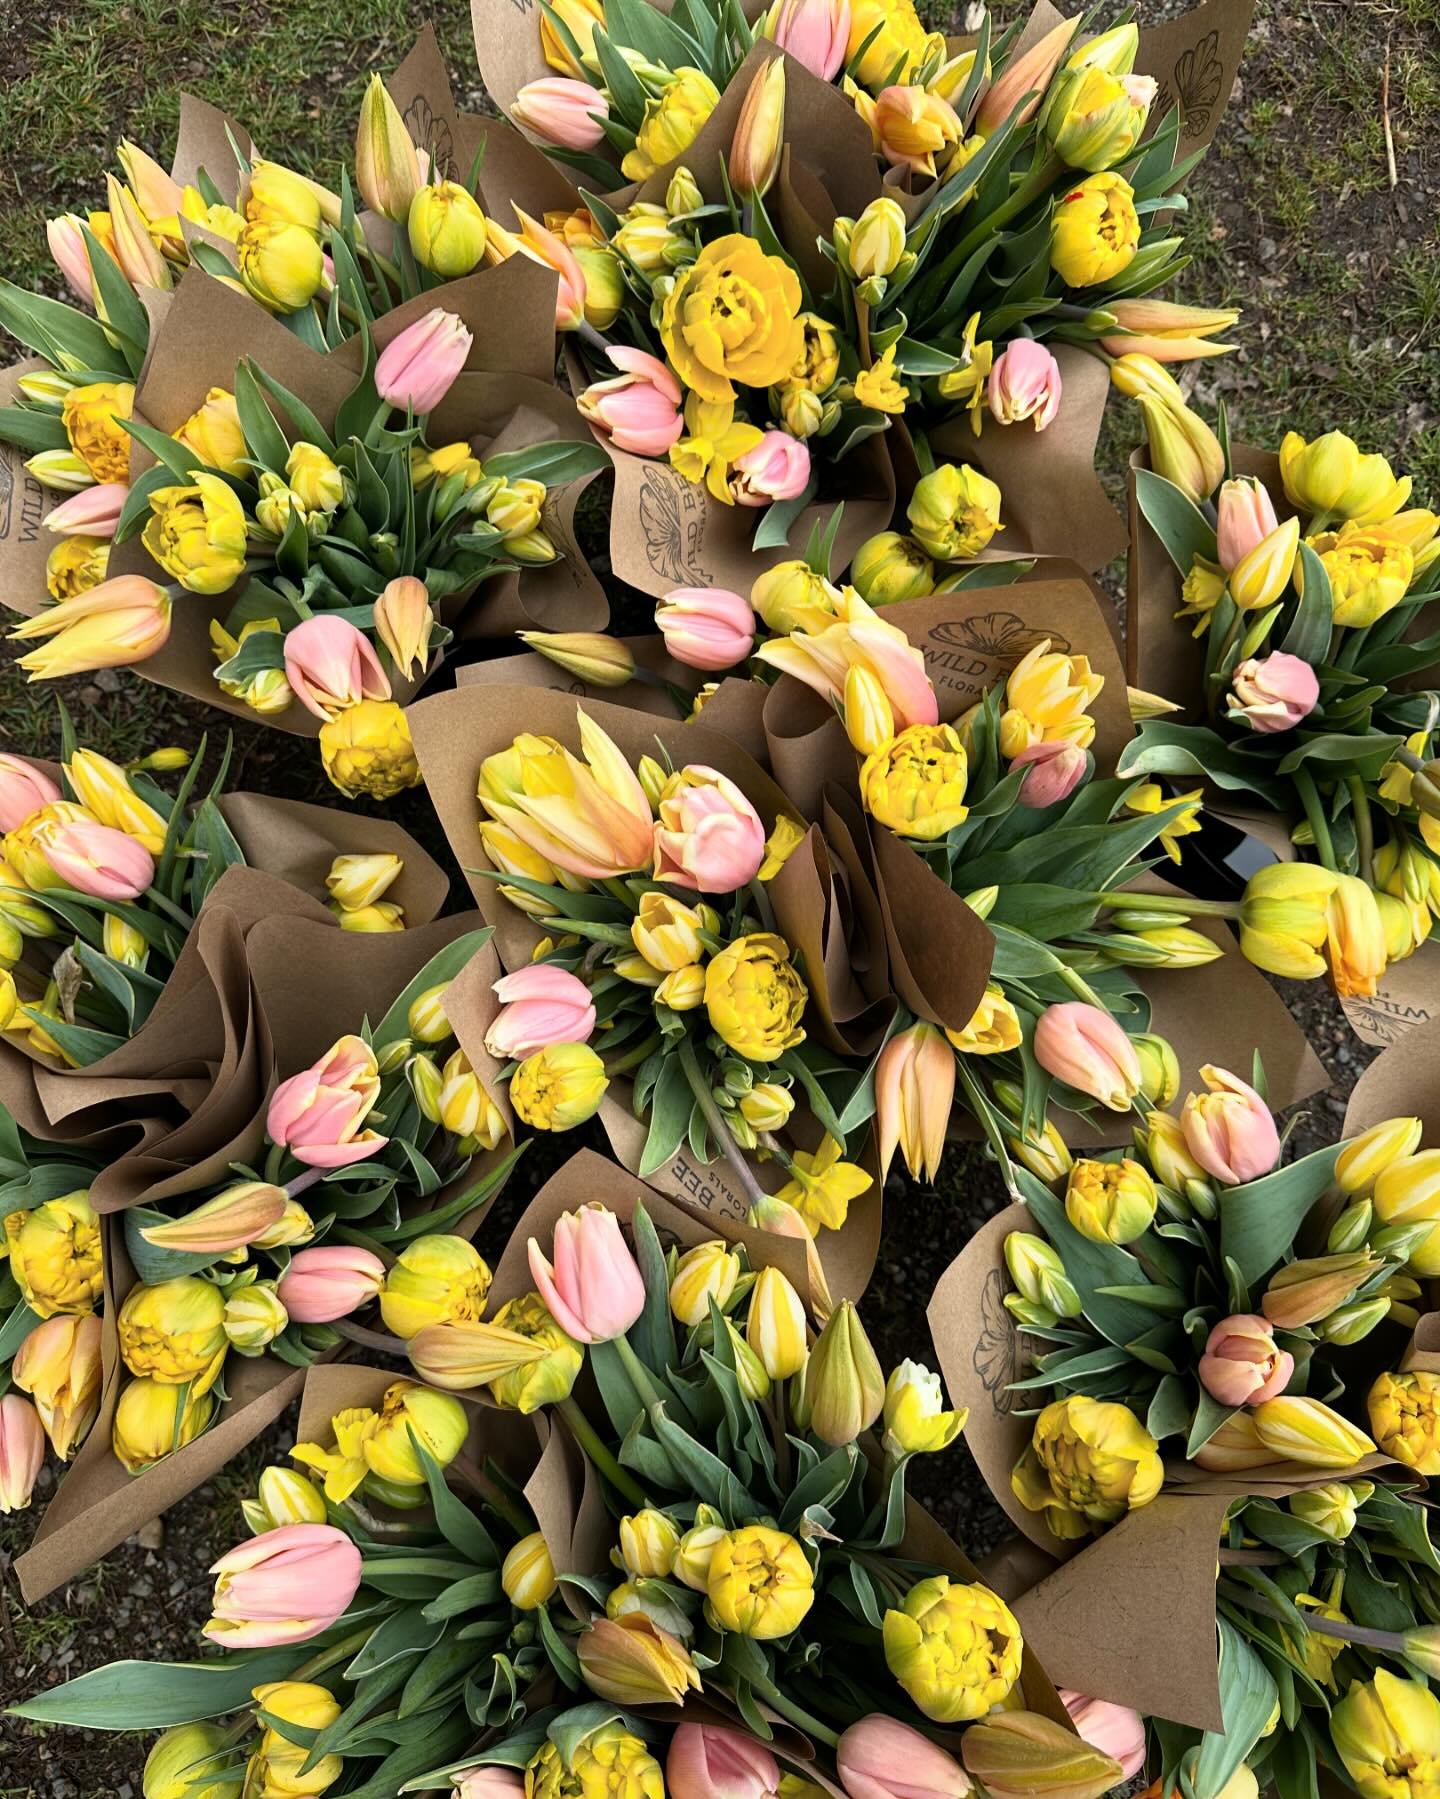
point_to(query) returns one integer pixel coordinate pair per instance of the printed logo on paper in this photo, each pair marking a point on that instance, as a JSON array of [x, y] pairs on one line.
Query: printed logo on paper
[[970, 655], [1198, 77], [702, 1188], [672, 516], [997, 1351]]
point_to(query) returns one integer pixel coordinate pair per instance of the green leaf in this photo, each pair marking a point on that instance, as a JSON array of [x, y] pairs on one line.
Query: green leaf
[[263, 437], [16, 1328], [83, 1046], [1247, 1698], [126, 319], [1175, 519], [453, 1518], [30, 429], [652, 1336], [556, 464], [670, 1107], [303, 420], [1310, 630], [56, 330], [778, 520], [1180, 752], [135, 513], [132, 1695], [1258, 1221], [438, 971]]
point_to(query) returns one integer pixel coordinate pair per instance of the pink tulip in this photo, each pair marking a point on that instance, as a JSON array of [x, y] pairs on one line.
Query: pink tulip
[[815, 32], [23, 789], [93, 512], [1084, 1047], [708, 836], [1246, 519], [317, 1114], [540, 1006], [706, 627], [329, 1282], [778, 468], [638, 410], [331, 664], [1242, 1364], [1273, 693], [859, 638], [1056, 769], [415, 370], [914, 1087], [1114, 1730], [562, 112], [710, 1761], [22, 1450], [1024, 384], [594, 1288], [489, 1783], [1230, 1130], [881, 1758], [283, 1586], [67, 246], [97, 859]]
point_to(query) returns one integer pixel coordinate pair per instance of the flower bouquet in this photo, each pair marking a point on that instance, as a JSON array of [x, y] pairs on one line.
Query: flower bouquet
[[981, 212], [367, 1630], [1303, 676], [635, 891], [352, 1179]]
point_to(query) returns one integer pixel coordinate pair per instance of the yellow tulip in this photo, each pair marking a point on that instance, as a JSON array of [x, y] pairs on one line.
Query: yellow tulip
[[755, 997], [1110, 1202], [558, 1358], [1260, 577], [75, 565], [709, 1271], [1047, 699], [104, 789], [435, 1278], [1298, 1429], [732, 316], [954, 1648], [1096, 231], [283, 1496], [54, 1254], [1404, 1412], [387, 168], [527, 1575], [916, 1422], [558, 1087], [93, 417], [175, 1332], [447, 230], [197, 534], [1387, 1733], [367, 749], [760, 1582], [1329, 476], [671, 123], [152, 1419], [1089, 1463], [213, 432], [915, 785]]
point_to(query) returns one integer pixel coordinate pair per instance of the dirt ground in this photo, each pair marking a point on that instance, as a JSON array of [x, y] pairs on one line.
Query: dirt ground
[[1295, 216]]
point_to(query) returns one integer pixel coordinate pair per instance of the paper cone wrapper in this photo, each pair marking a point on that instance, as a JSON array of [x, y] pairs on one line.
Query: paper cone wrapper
[[1402, 1082]]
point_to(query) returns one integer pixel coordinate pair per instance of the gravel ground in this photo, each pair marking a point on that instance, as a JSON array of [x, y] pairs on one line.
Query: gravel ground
[[1292, 214]]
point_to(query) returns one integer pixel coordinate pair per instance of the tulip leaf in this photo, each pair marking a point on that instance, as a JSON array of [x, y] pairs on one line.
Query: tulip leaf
[[15, 1329], [774, 528], [439, 1735], [671, 1103], [55, 330], [1176, 520], [1209, 1416], [556, 464], [84, 1047], [126, 319], [1258, 1221], [1247, 1699], [132, 1695], [31, 429], [441, 969], [652, 1336], [1313, 624], [1169, 1411], [153, 1263], [1368, 753], [1161, 747]]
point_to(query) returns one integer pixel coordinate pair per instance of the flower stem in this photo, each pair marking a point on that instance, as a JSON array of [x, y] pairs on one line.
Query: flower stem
[[588, 1438], [337, 1652], [713, 1116], [476, 1476], [379, 1341], [1169, 902], [796, 1714], [1315, 816], [1028, 190], [1364, 829], [638, 1372]]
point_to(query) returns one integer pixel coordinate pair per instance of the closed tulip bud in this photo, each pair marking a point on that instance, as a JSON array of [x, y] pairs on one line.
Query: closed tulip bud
[[1085, 1047], [1305, 1291], [1332, 1508], [435, 1279], [914, 1089], [916, 1422], [66, 242], [1024, 383], [1017, 1754], [954, 1648], [775, 1325], [281, 263], [214, 434], [153, 1418], [254, 1317], [889, 568], [447, 230], [1115, 1730], [527, 1574], [562, 111], [130, 243], [1298, 1429], [417, 368], [1246, 519], [427, 1020], [1159, 1066], [683, 990], [330, 1282], [591, 656], [881, 1758], [767, 1106], [706, 627], [192, 1761], [283, 1496], [1348, 1324], [866, 712], [24, 789], [357, 881], [649, 1543], [755, 148], [387, 168], [294, 1225], [874, 242], [709, 1271], [1187, 453], [22, 1452], [1039, 1274], [174, 1331], [404, 620], [844, 1385], [1365, 1158], [1229, 1130], [816, 34], [58, 1365], [697, 1546]]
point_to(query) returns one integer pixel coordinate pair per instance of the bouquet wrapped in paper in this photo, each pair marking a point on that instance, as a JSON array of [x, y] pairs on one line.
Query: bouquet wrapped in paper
[[1252, 1369], [1302, 673], [634, 872], [352, 1187], [923, 233]]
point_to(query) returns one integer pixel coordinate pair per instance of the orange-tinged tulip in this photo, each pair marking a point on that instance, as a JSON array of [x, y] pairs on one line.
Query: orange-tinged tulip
[[914, 1087], [58, 1365], [121, 621], [759, 132], [141, 263], [1028, 75]]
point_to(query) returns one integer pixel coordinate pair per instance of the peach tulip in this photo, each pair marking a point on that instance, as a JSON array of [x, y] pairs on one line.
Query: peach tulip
[[708, 837], [1230, 1130], [593, 1288], [329, 1282], [706, 627], [283, 1587], [318, 1114], [1085, 1047]]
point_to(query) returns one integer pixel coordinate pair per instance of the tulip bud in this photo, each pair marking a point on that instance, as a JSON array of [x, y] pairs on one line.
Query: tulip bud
[[649, 1543], [632, 1662], [1347, 1324], [1018, 1755], [1298, 1429], [1159, 1066], [881, 1758], [283, 1496], [1039, 1273], [192, 1761], [1305, 1291], [1187, 453], [254, 1317], [697, 1546], [447, 230], [844, 1385], [709, 1271], [759, 132], [590, 656], [527, 1574], [1365, 1158], [775, 1327], [387, 168], [404, 621], [1331, 1508], [916, 1422], [875, 242]]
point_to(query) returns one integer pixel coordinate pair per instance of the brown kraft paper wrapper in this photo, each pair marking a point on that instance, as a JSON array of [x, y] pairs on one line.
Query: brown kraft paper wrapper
[[1401, 1082], [1130, 1615]]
